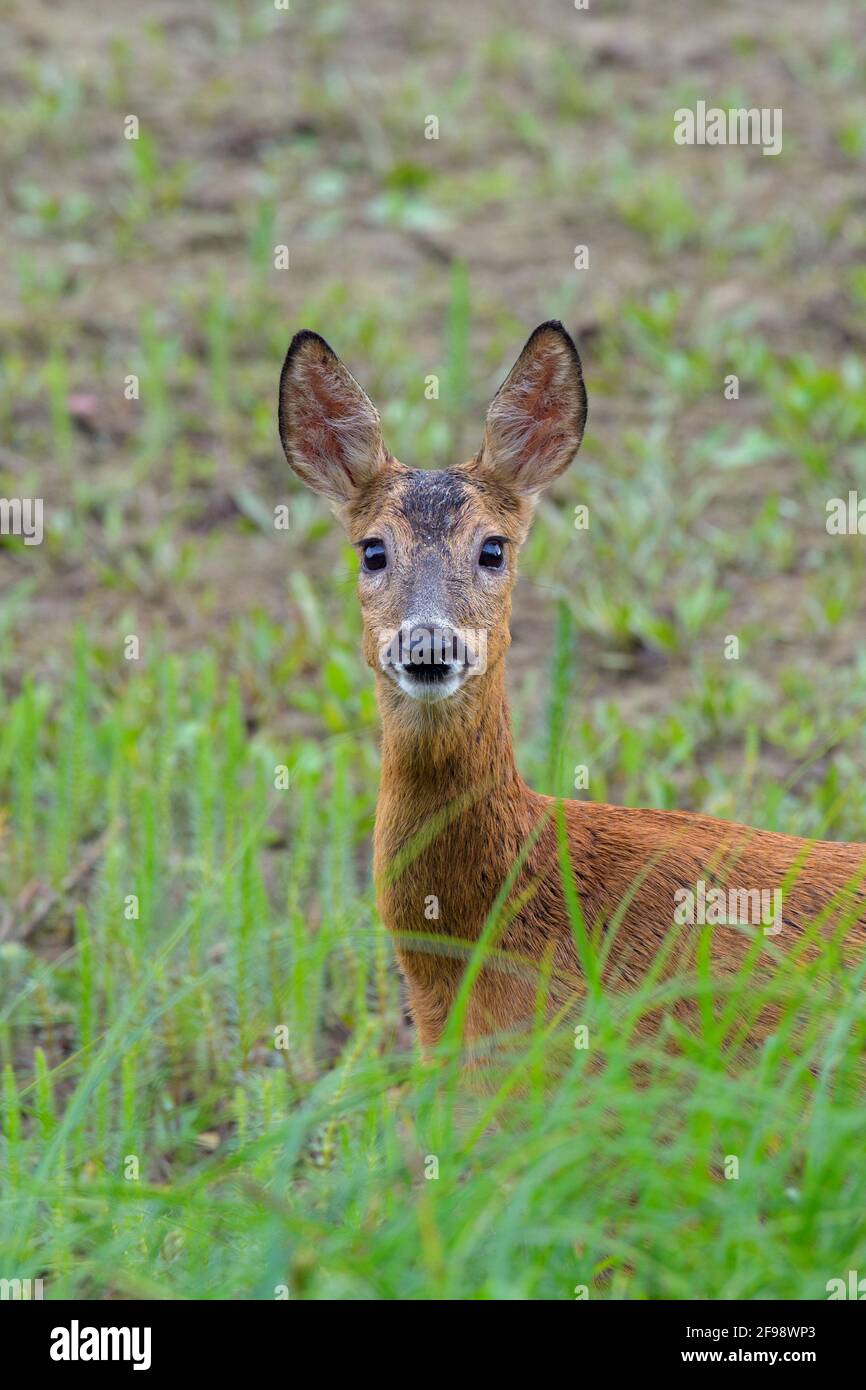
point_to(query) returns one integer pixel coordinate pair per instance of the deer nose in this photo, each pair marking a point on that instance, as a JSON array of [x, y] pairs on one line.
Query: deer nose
[[428, 652]]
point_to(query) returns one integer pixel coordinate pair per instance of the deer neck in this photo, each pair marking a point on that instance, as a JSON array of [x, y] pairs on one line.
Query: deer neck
[[450, 793], [443, 755]]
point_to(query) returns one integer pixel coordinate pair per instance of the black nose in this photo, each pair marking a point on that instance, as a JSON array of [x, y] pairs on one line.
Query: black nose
[[427, 653]]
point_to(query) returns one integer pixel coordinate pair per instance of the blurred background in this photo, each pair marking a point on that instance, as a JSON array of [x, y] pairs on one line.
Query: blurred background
[[154, 258]]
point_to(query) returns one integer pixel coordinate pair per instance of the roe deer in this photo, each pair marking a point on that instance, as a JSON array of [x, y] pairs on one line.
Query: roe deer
[[438, 560]]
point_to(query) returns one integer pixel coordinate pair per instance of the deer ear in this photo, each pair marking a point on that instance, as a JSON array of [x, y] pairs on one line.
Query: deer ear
[[329, 428], [536, 419]]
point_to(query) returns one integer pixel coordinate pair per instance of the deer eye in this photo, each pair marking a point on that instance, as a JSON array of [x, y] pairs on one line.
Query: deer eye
[[374, 555], [492, 555]]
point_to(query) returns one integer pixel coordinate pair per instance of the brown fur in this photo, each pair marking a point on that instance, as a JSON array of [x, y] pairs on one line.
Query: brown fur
[[453, 814]]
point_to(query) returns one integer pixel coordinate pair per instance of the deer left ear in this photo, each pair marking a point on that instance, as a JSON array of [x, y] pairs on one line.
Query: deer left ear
[[328, 426], [536, 419]]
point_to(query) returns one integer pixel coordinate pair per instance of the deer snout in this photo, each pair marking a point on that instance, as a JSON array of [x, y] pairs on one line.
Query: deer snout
[[428, 659], [429, 652]]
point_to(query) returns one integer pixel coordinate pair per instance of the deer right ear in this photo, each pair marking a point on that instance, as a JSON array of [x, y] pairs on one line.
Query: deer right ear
[[535, 422], [329, 428]]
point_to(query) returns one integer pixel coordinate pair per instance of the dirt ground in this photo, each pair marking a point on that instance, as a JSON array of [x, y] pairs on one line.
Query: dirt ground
[[307, 128]]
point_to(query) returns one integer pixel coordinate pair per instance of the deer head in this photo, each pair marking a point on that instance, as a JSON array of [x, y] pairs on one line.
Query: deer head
[[437, 549]]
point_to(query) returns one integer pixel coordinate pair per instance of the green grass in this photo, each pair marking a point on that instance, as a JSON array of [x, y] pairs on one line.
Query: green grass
[[159, 1138], [156, 1140]]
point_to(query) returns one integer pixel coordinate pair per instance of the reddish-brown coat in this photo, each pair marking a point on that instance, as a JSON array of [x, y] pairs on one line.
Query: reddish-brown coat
[[617, 855]]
